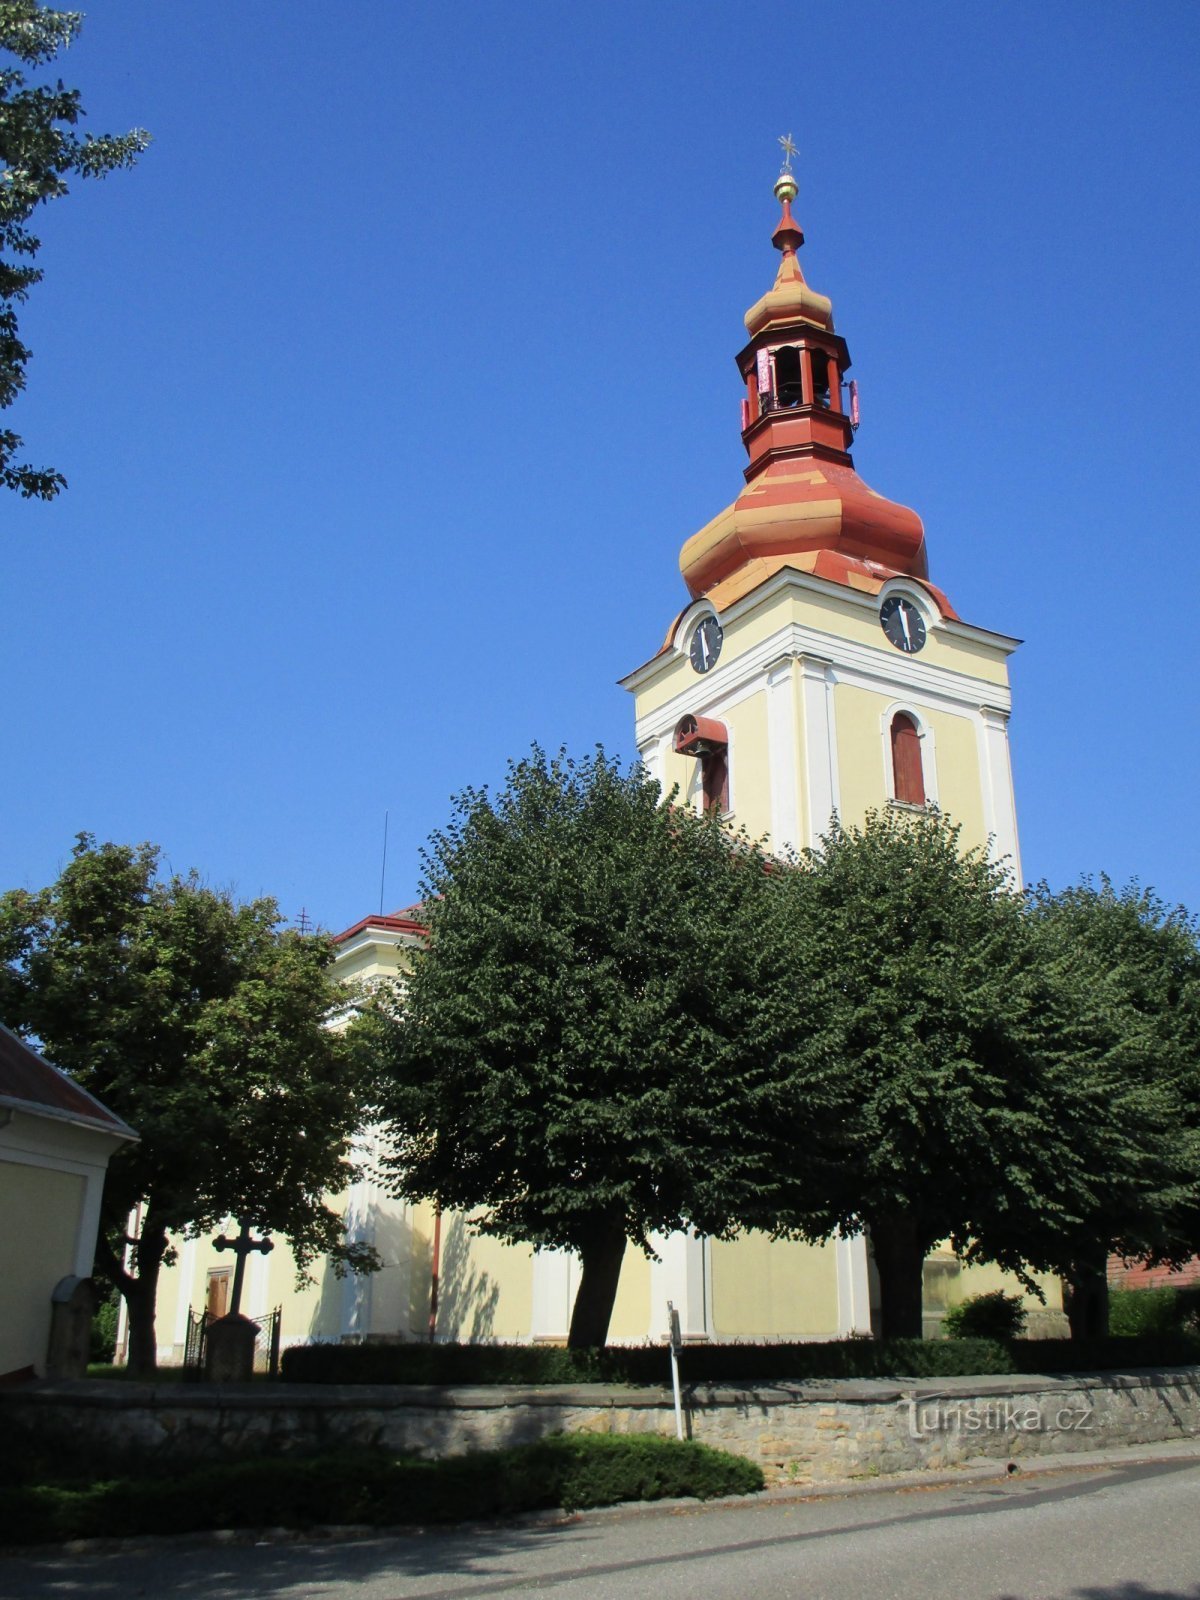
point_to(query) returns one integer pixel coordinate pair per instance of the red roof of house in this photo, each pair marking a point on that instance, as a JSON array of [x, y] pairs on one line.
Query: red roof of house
[[394, 922], [28, 1082]]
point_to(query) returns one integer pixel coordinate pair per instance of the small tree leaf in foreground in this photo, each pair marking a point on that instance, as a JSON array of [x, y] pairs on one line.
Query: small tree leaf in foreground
[[39, 151]]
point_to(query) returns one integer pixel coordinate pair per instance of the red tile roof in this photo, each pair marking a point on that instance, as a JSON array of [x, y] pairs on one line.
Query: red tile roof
[[29, 1083]]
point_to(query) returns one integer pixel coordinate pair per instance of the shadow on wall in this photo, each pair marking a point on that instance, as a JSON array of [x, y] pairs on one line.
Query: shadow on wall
[[391, 1303], [467, 1298]]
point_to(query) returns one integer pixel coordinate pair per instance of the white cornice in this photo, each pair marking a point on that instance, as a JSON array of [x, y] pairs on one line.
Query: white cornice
[[855, 664], [790, 578]]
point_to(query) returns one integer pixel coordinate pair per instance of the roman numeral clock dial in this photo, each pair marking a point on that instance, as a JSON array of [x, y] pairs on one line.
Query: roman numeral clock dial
[[902, 623]]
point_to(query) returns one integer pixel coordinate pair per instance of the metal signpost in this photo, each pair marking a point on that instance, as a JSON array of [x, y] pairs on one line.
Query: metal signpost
[[676, 1346]]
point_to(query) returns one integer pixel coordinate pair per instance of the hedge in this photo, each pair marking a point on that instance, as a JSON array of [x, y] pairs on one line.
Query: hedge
[[1114, 1354], [1153, 1311], [532, 1365], [728, 1364], [573, 1471]]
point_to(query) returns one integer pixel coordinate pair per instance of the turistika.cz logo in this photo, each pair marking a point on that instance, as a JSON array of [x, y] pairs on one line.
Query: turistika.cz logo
[[994, 1416]]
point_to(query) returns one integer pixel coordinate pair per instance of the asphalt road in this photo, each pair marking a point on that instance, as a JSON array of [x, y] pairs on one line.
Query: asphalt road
[[1128, 1532]]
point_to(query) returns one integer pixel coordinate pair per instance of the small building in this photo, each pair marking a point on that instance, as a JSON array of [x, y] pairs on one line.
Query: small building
[[55, 1143]]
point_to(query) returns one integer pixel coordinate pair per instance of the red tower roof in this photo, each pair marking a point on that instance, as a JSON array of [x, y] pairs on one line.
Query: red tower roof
[[804, 505]]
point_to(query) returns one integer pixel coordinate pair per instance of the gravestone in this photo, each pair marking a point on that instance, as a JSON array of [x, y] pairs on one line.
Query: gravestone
[[229, 1349], [72, 1305]]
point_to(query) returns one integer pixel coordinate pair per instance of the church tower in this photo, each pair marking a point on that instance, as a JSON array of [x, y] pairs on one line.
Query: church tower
[[817, 669]]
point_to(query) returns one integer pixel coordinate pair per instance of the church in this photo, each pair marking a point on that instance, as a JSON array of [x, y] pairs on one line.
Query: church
[[815, 670]]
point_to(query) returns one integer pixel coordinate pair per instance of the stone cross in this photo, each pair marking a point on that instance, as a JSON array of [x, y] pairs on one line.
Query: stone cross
[[241, 1247]]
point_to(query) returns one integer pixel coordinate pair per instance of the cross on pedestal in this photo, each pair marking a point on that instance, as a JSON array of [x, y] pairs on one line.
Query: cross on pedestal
[[241, 1247]]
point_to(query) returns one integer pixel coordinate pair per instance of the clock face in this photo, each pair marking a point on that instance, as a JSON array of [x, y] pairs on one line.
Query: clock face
[[902, 623], [706, 644]]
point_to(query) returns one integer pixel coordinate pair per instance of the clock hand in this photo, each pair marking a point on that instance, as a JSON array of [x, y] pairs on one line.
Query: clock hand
[[904, 625], [704, 646]]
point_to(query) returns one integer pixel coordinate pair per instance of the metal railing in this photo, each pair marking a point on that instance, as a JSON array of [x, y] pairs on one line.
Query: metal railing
[[266, 1343]]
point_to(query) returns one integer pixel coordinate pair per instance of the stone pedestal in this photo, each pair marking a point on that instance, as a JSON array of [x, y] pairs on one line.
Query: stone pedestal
[[72, 1305], [229, 1349]]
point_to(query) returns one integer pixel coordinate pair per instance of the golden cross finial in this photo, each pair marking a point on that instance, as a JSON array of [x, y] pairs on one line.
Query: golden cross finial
[[789, 151]]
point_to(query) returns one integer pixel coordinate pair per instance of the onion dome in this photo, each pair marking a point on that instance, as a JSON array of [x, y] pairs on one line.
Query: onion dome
[[804, 505]]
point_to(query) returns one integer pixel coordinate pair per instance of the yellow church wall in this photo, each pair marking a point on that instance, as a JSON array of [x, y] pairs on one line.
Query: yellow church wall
[[960, 782], [948, 1282], [749, 766], [631, 1311], [862, 774], [764, 1288], [37, 1248], [486, 1287]]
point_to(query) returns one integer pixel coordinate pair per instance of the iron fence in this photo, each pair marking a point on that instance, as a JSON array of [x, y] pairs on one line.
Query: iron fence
[[266, 1343]]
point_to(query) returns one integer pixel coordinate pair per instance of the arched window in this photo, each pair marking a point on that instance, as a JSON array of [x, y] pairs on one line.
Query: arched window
[[908, 779], [708, 742], [714, 774]]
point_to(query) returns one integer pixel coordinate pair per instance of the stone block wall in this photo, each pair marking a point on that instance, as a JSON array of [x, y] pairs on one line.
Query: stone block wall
[[809, 1433]]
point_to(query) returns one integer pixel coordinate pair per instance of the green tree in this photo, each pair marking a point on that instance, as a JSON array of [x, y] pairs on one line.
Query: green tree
[[914, 993], [205, 1026], [39, 151], [1122, 1028], [575, 1049]]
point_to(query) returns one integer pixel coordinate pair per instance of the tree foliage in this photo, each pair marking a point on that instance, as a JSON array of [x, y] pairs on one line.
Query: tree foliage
[[573, 1053], [1122, 1023], [626, 1022], [39, 151], [204, 1025], [915, 994]]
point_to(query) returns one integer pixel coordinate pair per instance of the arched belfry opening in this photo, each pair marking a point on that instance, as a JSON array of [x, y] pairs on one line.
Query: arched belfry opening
[[707, 741], [789, 385], [819, 366]]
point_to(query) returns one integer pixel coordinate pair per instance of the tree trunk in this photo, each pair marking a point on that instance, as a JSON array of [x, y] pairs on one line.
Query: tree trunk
[[140, 1292], [597, 1293], [899, 1250], [1085, 1298]]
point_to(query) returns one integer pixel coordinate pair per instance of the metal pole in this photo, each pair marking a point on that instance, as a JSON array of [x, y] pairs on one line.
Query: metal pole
[[676, 1341]]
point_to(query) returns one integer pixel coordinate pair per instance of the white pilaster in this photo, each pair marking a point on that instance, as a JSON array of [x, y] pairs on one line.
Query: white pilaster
[[999, 803], [356, 1287], [187, 1272], [257, 1284], [653, 757], [555, 1280], [853, 1285], [820, 745], [783, 754], [683, 1275]]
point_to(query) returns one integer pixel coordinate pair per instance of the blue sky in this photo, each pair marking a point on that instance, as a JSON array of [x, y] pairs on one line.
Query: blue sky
[[390, 382]]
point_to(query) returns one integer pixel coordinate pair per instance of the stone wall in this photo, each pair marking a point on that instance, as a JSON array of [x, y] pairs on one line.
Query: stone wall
[[808, 1433]]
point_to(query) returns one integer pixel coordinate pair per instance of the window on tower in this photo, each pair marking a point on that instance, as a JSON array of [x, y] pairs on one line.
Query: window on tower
[[820, 376], [908, 777], [789, 386], [714, 777]]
